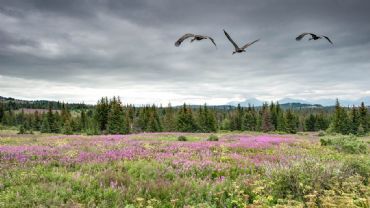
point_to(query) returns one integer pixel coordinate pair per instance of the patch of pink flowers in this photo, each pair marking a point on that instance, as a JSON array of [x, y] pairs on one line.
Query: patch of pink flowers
[[182, 155]]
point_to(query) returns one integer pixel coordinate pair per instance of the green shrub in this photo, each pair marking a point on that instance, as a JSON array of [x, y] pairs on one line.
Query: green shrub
[[321, 133], [360, 166], [311, 181], [347, 144], [182, 138], [212, 138]]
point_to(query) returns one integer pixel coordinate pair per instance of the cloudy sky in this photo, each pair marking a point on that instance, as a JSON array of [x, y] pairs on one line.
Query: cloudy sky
[[81, 50]]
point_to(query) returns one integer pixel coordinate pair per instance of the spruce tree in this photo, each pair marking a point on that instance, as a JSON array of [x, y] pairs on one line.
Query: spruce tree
[[45, 126], [250, 120], [274, 114], [37, 121], [355, 120], [341, 121], [291, 122], [55, 122], [101, 113], [127, 123], [153, 124], [364, 117], [1, 111], [115, 122], [67, 127], [266, 121], [310, 123], [322, 123], [83, 121], [185, 121], [169, 120]]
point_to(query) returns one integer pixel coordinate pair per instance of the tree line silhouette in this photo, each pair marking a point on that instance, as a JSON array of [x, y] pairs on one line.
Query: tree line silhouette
[[110, 116]]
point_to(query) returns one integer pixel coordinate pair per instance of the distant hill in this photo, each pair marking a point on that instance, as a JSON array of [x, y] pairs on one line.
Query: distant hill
[[304, 103], [15, 104]]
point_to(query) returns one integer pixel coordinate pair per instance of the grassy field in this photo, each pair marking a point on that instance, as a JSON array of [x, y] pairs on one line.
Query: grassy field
[[157, 170]]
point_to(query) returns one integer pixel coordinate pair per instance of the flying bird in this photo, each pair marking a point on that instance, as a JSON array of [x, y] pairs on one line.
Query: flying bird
[[237, 48], [313, 37], [195, 37]]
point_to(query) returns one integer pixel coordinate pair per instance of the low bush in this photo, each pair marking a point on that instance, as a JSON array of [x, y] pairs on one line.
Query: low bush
[[347, 144], [182, 138], [317, 184], [212, 138], [321, 133]]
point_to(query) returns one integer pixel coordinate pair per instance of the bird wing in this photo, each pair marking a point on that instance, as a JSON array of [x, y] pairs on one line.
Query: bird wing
[[231, 40], [302, 35], [213, 41], [180, 40], [328, 39], [248, 44]]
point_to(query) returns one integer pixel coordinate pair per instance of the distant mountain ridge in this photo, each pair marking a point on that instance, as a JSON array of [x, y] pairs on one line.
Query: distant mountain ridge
[[314, 103]]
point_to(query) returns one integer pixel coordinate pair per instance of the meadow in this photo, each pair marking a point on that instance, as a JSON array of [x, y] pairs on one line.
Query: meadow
[[202, 170]]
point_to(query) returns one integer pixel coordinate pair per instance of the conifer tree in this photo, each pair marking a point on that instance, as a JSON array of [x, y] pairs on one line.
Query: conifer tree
[[101, 113], [169, 120], [364, 117], [143, 118], [355, 120], [185, 121], [153, 124], [310, 123], [54, 121], [341, 121], [83, 120], [67, 127], [37, 121], [45, 126], [206, 119], [291, 122], [127, 123], [115, 122], [322, 123], [274, 114], [250, 120], [65, 114], [1, 112], [266, 122]]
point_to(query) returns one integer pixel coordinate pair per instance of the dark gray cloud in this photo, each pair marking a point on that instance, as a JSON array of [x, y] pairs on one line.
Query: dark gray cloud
[[80, 50]]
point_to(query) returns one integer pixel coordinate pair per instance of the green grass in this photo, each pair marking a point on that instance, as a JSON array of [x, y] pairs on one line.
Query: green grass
[[302, 174]]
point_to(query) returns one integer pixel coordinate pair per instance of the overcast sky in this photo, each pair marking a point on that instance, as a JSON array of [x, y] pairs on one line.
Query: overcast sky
[[81, 50]]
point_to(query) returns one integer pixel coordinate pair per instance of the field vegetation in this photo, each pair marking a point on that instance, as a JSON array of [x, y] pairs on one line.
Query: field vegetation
[[202, 170]]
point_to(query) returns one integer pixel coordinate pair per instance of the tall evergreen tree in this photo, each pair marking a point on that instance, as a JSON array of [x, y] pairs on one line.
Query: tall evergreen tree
[[154, 124], [322, 123], [185, 121], [206, 119], [291, 122], [45, 126], [341, 121], [169, 120], [364, 117], [266, 121], [250, 120], [67, 127], [37, 121], [115, 122], [101, 113], [310, 123], [83, 120], [355, 120], [1, 112]]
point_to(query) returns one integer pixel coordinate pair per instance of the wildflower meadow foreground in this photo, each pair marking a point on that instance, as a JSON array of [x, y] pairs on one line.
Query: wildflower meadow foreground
[[201, 170]]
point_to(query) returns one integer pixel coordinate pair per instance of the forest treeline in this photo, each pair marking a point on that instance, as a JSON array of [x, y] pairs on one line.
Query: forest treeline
[[110, 116]]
